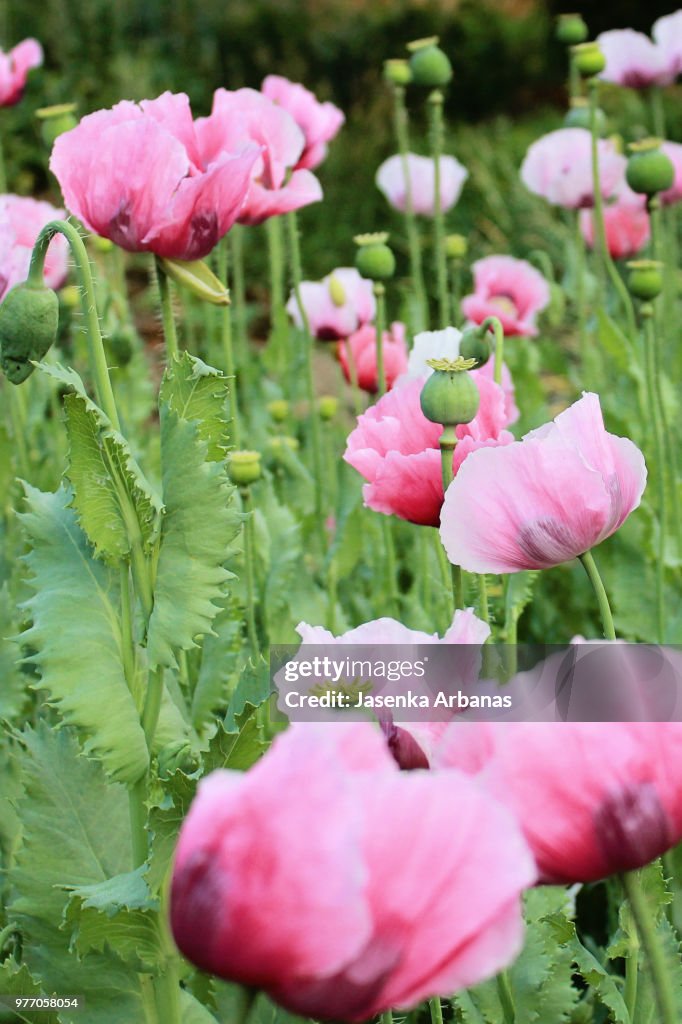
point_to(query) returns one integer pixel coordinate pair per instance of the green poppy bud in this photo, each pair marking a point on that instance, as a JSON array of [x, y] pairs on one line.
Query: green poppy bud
[[571, 29], [649, 170], [455, 247], [588, 59], [55, 121], [29, 322], [429, 65], [578, 116], [475, 345], [450, 395], [398, 72], [278, 409], [101, 244], [374, 259], [328, 406], [645, 279], [121, 343], [244, 467]]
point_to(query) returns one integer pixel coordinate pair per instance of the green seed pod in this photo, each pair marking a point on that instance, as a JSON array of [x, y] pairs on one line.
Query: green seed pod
[[374, 259], [328, 406], [455, 247], [588, 59], [475, 344], [571, 29], [121, 343], [278, 409], [578, 116], [649, 170], [55, 121], [29, 321], [450, 395], [429, 65], [645, 279], [397, 71], [244, 467]]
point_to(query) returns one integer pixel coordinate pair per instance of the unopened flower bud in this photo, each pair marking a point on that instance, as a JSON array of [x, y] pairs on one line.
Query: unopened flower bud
[[244, 467], [56, 120], [278, 409], [588, 59], [101, 244], [374, 259], [429, 65], [337, 292], [455, 247], [397, 71], [571, 29], [198, 278], [578, 116], [475, 345], [645, 279], [70, 296], [122, 344], [450, 395], [649, 170], [328, 406], [29, 321], [281, 445]]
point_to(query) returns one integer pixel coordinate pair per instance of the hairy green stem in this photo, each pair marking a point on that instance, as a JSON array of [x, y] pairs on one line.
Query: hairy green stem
[[580, 292], [658, 422], [249, 555], [448, 442], [236, 237], [492, 322], [379, 325], [436, 1010], [646, 928], [435, 102], [590, 567], [278, 315], [169, 330], [226, 340], [401, 124]]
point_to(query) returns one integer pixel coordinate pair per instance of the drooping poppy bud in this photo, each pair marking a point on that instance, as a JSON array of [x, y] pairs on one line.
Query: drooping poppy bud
[[29, 320]]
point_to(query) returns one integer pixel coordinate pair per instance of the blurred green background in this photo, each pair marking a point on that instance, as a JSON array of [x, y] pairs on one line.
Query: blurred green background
[[507, 89]]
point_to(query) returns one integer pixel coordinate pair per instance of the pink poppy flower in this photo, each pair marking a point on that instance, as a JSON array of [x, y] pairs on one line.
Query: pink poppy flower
[[510, 289], [673, 150], [21, 221], [558, 167], [319, 122], [288, 878], [543, 500], [626, 222], [14, 69], [363, 347], [421, 169], [137, 175], [336, 306], [667, 32], [445, 345], [244, 116], [395, 448], [633, 60], [593, 799]]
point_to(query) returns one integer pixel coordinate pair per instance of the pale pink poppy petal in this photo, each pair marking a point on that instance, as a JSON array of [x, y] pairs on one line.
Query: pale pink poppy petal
[[390, 179], [633, 60], [319, 122], [302, 189], [558, 167], [667, 32], [510, 289], [14, 69], [673, 150]]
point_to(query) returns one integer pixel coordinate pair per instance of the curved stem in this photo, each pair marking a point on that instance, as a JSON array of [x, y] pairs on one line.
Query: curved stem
[[600, 593], [169, 331], [226, 338], [435, 102], [498, 331], [646, 928], [100, 370], [380, 323], [600, 228], [400, 120]]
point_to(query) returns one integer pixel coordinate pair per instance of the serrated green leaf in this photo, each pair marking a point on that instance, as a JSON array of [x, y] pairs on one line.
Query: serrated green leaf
[[518, 593], [200, 523], [76, 832], [592, 972], [76, 636], [12, 680], [196, 391], [219, 671], [193, 1012], [17, 981], [240, 748], [114, 502]]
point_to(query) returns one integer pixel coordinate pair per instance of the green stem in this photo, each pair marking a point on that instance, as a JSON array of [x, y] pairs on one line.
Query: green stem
[[226, 339], [152, 704], [599, 226], [400, 120], [498, 331], [631, 971], [448, 442], [600, 592], [389, 552], [435, 102], [504, 993], [446, 575], [278, 316], [456, 288], [573, 77], [657, 419], [137, 812], [484, 612], [98, 361], [380, 323], [580, 291], [236, 238], [646, 929], [248, 1003], [249, 553], [17, 420], [6, 933], [657, 111], [436, 1011], [353, 374], [169, 331], [387, 1017], [313, 415]]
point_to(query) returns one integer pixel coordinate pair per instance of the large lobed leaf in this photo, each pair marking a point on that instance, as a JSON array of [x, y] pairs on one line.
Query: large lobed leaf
[[75, 635], [200, 522]]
